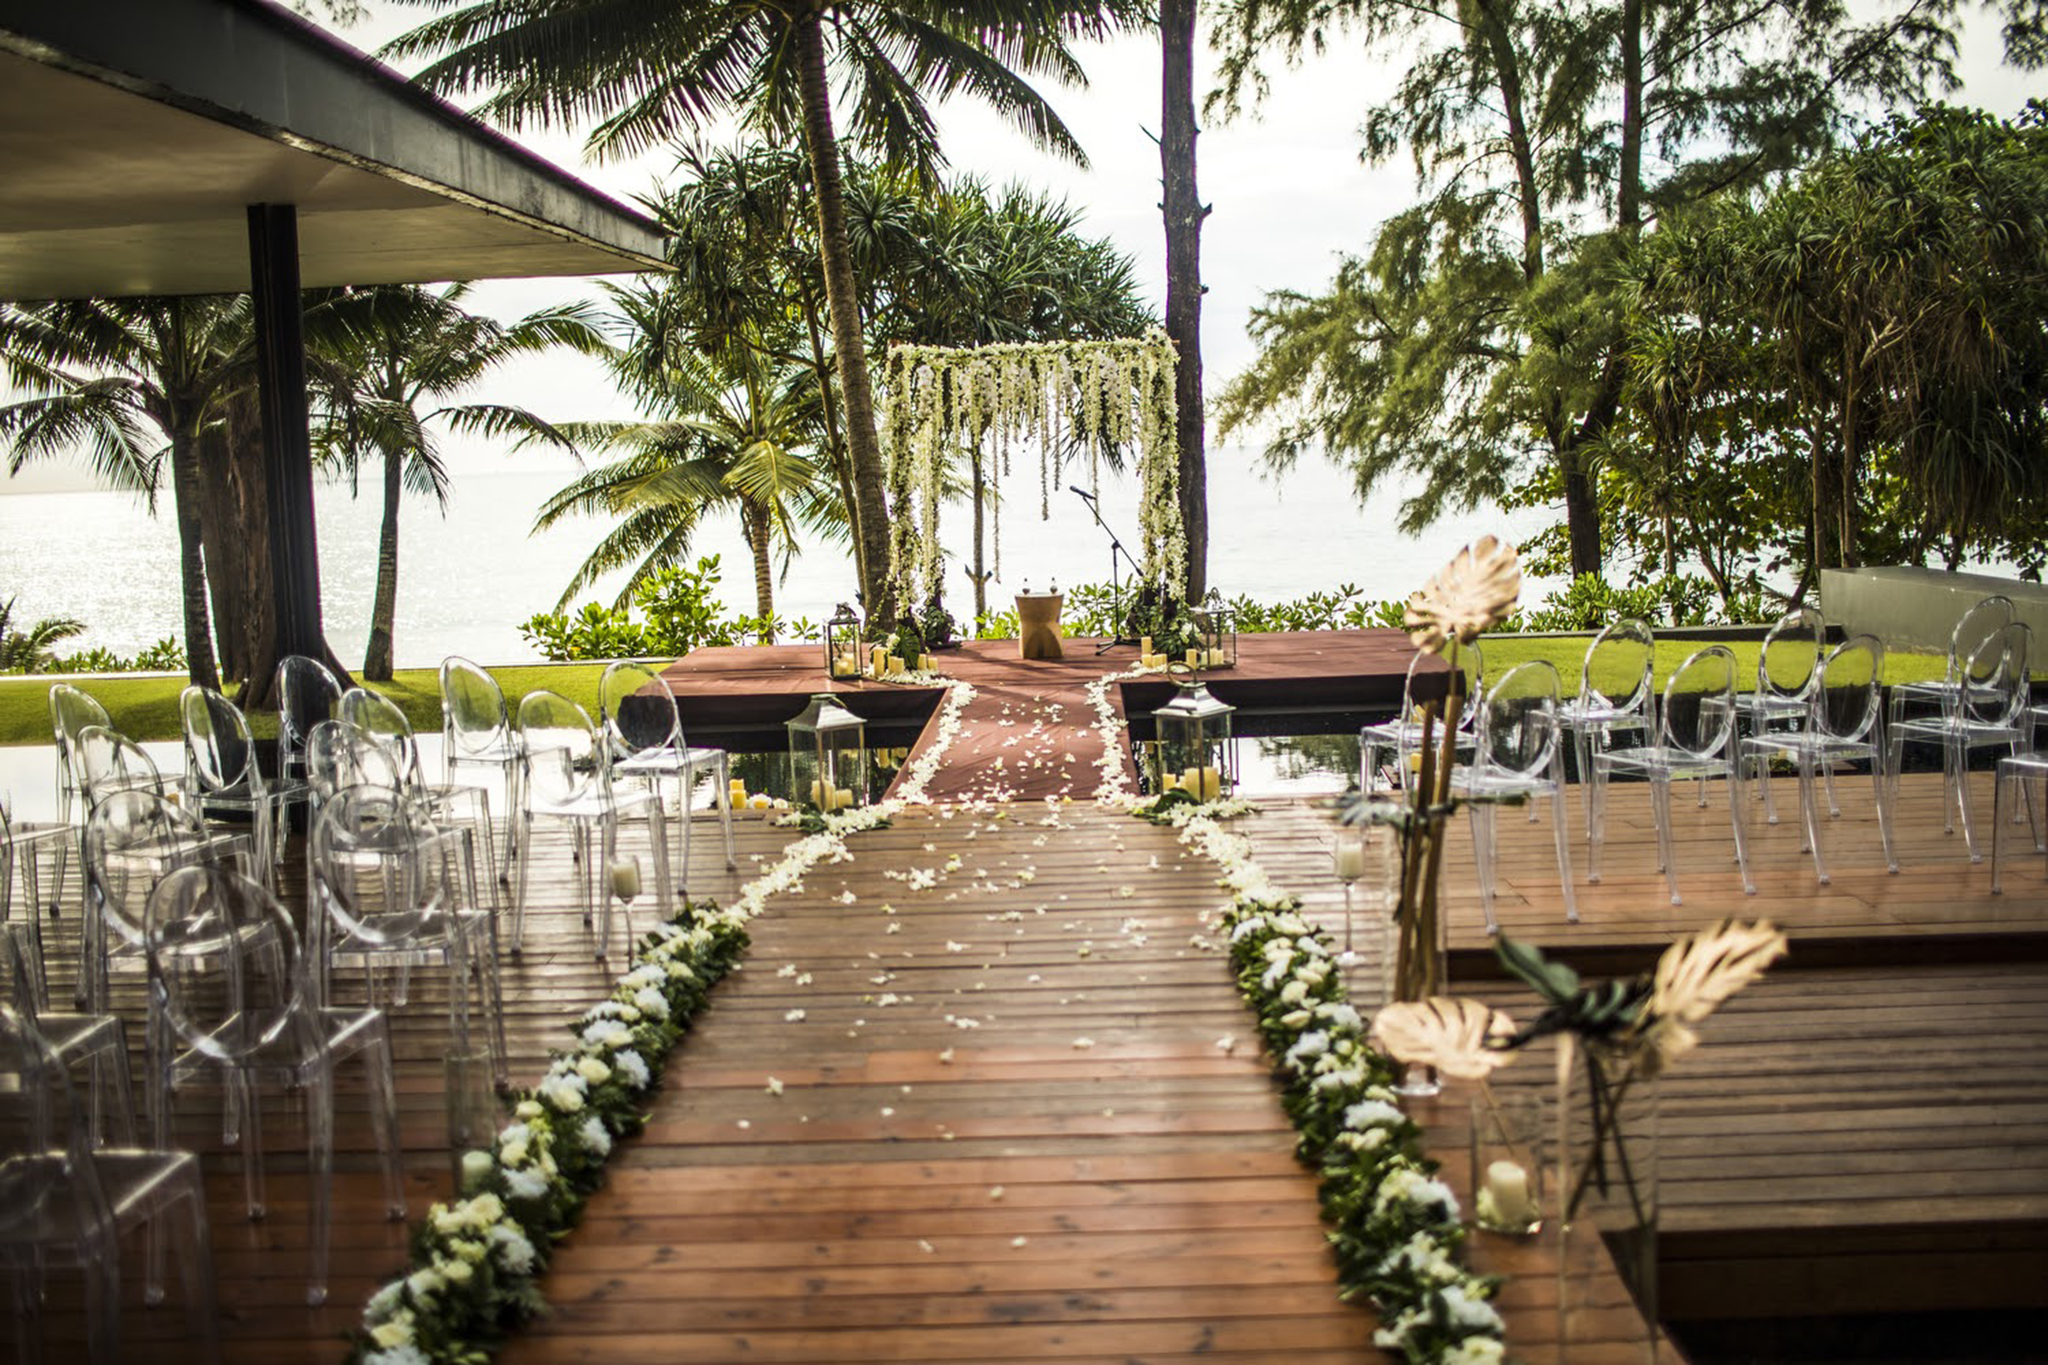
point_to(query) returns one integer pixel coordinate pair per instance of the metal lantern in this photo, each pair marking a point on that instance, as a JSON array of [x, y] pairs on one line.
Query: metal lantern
[[1216, 631], [828, 756], [842, 645], [1192, 746]]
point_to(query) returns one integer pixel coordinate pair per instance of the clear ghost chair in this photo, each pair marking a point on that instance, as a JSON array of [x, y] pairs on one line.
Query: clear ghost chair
[[22, 845], [65, 1202], [644, 732], [110, 762], [222, 1013], [71, 710], [98, 1041], [1402, 736], [450, 803], [340, 755], [1988, 710], [1615, 690], [221, 772], [568, 779], [1696, 739], [1516, 756], [132, 839], [385, 896], [1973, 629], [307, 693], [477, 732], [1842, 727]]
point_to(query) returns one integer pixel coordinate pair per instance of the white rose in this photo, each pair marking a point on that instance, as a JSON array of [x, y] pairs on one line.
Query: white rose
[[397, 1332], [423, 1282], [457, 1272], [513, 1153], [593, 1070], [476, 1167]]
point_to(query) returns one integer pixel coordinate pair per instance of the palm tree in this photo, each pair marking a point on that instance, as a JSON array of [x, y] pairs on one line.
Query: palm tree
[[651, 69], [108, 372], [735, 431], [388, 350]]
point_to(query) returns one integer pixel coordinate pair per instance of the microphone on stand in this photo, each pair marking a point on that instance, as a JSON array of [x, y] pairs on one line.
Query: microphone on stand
[[1081, 492]]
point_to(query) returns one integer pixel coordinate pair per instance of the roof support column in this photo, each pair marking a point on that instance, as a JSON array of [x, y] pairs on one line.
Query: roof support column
[[287, 443]]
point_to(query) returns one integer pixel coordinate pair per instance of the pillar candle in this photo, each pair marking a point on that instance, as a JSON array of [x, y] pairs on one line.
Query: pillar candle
[[1144, 645], [876, 656], [842, 799], [1194, 658], [1508, 1183], [895, 664]]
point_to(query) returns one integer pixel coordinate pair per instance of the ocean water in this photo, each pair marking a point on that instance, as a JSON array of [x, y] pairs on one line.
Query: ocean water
[[467, 580]]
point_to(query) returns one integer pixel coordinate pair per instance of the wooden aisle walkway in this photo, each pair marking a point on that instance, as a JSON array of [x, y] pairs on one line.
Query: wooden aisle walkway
[[1021, 1117]]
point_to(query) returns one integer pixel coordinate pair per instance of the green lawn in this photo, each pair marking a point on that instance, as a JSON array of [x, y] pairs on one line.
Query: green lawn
[[147, 708]]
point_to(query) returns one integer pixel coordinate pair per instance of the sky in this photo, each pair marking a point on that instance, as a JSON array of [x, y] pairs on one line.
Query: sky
[[1286, 185]]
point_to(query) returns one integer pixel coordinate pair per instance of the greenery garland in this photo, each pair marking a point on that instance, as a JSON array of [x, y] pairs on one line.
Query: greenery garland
[[476, 1262], [941, 401], [1394, 1227]]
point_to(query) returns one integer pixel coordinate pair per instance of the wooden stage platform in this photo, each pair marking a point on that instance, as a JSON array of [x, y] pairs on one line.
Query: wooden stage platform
[[1030, 731]]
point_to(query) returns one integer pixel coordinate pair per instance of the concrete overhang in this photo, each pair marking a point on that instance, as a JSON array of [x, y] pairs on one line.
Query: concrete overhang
[[135, 133]]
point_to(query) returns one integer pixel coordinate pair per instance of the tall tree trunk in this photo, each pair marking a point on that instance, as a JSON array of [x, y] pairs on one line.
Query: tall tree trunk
[[1628, 212], [1184, 212], [220, 531], [384, 605], [835, 435], [185, 488], [248, 480], [979, 574], [755, 527], [863, 447]]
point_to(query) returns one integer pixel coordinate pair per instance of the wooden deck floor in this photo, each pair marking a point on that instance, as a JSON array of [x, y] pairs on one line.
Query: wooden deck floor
[[1850, 1134], [1866, 1129]]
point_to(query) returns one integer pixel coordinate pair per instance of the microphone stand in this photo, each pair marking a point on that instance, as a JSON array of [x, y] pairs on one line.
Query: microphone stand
[[1116, 594]]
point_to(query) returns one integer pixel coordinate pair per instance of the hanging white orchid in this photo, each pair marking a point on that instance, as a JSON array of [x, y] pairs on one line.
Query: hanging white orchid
[[941, 401]]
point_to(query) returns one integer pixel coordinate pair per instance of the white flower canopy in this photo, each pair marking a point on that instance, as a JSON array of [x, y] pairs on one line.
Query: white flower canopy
[[940, 402]]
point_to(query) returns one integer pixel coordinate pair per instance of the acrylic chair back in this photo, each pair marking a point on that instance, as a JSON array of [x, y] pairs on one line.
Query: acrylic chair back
[[378, 876], [132, 839], [109, 762], [340, 755], [1788, 665], [1973, 629], [70, 712], [307, 693], [39, 1115], [220, 753], [380, 718], [1518, 729], [565, 760], [227, 972], [473, 713], [1845, 695], [1616, 675], [638, 711], [1698, 721], [1994, 689]]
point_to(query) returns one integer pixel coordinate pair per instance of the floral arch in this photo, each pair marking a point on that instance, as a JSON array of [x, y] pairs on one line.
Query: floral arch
[[1071, 399]]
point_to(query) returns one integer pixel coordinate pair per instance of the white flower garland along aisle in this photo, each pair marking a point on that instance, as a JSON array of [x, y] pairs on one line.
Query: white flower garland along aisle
[[476, 1261], [940, 402], [1394, 1226]]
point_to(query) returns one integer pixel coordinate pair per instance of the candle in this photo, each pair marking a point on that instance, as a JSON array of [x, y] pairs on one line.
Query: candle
[[760, 801], [1144, 645], [841, 799], [895, 664], [1350, 859], [875, 656], [1204, 784], [818, 794], [1508, 1184], [1170, 782], [1194, 658], [626, 878], [924, 663], [737, 789]]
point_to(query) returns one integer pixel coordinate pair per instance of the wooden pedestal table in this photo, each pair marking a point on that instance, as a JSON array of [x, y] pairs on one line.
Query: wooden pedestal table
[[1038, 625]]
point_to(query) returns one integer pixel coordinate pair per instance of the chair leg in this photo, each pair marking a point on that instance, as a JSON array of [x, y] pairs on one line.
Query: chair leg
[[195, 1270], [1735, 814], [1881, 791], [1564, 852], [1482, 856], [1660, 810], [725, 810], [1959, 758], [1809, 810], [686, 779], [2004, 778], [1596, 820]]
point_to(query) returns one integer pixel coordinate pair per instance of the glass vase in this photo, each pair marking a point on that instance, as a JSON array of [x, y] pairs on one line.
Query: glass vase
[[1414, 955], [1511, 1137], [472, 1103], [1606, 1193]]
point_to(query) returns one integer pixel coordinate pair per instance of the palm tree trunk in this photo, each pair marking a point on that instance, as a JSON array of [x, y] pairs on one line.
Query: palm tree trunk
[[185, 488], [863, 447], [384, 606], [1184, 212], [835, 438], [754, 526]]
